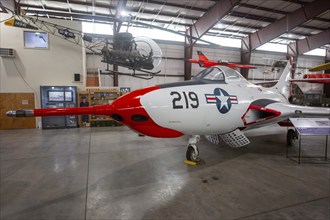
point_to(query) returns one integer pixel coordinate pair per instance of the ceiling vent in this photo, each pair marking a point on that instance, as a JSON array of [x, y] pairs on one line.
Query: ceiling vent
[[7, 52]]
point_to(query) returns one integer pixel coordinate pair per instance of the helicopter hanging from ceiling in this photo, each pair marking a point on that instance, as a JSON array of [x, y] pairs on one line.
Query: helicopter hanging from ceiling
[[139, 53]]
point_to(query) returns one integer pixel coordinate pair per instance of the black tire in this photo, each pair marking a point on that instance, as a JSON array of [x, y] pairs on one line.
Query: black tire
[[291, 137], [191, 154]]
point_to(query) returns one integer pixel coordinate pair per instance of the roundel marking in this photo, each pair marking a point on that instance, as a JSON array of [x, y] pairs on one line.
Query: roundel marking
[[222, 99]]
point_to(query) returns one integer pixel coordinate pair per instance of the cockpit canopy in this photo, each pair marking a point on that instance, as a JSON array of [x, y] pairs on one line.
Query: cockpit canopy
[[219, 73]]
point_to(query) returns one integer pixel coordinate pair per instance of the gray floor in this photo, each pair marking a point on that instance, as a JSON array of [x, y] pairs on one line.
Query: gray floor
[[45, 173]]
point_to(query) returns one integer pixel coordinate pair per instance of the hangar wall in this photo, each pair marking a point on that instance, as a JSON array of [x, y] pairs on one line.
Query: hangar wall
[[172, 65], [57, 65], [34, 67]]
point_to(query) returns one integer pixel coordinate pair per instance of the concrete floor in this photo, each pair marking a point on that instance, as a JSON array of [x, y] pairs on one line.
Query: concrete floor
[[45, 174]]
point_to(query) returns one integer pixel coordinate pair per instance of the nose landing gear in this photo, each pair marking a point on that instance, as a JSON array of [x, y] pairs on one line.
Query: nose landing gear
[[192, 150]]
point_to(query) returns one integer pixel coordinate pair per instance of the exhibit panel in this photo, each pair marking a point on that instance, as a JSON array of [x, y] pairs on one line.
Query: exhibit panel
[[59, 97], [97, 97]]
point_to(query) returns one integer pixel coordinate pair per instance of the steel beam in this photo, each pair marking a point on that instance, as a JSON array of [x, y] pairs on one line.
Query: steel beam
[[257, 7], [210, 18], [313, 42], [252, 17], [295, 1], [121, 5], [288, 22], [292, 49], [188, 49], [309, 43], [116, 28], [115, 75], [245, 55], [171, 4]]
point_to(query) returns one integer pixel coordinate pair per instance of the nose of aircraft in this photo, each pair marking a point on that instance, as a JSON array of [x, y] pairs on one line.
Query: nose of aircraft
[[129, 111]]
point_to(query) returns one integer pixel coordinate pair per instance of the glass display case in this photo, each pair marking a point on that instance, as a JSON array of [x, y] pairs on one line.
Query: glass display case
[[58, 97]]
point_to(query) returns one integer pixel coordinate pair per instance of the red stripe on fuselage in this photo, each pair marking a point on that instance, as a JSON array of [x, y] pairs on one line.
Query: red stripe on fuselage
[[130, 105]]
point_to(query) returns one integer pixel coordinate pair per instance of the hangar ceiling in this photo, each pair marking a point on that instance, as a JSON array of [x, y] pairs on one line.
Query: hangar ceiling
[[282, 21]]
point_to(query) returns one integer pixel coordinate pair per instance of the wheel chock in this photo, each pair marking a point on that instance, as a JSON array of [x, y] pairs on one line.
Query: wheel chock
[[189, 162]]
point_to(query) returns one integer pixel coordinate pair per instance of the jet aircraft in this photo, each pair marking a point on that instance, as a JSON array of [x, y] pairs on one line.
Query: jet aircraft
[[218, 103], [203, 61]]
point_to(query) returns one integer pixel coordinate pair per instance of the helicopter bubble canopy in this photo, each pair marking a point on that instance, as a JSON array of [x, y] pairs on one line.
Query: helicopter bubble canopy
[[140, 53], [146, 46]]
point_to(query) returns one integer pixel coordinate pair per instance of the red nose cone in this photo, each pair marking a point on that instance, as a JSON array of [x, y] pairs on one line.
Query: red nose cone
[[129, 111]]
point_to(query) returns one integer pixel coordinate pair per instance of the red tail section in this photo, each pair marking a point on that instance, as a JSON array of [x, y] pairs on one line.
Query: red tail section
[[202, 57]]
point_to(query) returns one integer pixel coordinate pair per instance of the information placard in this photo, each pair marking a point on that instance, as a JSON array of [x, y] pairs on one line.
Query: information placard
[[312, 126]]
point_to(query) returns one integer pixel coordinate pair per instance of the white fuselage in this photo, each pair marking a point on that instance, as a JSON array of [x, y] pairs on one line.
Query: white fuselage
[[194, 109]]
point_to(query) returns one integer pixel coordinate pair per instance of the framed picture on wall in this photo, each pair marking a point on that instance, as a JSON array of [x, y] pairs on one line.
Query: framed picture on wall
[[68, 96], [55, 96], [36, 40]]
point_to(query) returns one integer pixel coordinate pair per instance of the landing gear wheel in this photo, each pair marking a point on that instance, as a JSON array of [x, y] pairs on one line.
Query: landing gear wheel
[[291, 137], [192, 153]]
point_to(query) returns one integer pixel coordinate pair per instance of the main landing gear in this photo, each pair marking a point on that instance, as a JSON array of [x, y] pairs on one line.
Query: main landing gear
[[192, 150], [291, 137]]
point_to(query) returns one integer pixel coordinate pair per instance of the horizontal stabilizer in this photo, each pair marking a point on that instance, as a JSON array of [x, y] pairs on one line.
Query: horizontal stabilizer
[[235, 139]]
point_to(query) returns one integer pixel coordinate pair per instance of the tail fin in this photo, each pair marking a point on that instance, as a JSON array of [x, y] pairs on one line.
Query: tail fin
[[201, 56], [283, 84]]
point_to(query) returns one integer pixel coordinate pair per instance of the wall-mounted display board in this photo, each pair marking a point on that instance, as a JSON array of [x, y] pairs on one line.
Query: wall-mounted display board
[[36, 40]]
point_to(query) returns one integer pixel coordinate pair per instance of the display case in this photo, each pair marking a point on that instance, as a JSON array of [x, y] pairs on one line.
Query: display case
[[102, 97], [83, 101], [93, 97], [124, 90], [58, 97]]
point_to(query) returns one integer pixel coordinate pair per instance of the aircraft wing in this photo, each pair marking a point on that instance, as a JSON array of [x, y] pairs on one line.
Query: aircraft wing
[[309, 80], [193, 61], [312, 80], [320, 67], [288, 110], [243, 66], [237, 138]]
